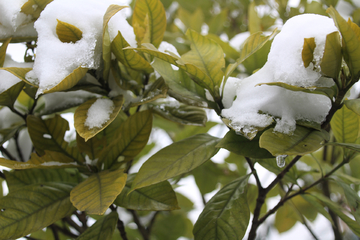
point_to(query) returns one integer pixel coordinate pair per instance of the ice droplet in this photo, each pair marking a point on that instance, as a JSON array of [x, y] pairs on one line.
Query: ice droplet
[[280, 160]]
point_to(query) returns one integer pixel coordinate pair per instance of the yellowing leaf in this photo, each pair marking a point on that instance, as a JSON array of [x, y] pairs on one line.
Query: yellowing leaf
[[193, 20], [71, 80], [149, 21], [3, 51], [19, 72], [102, 229], [98, 192], [81, 115], [331, 61], [34, 7], [345, 125], [254, 19], [307, 53], [68, 33]]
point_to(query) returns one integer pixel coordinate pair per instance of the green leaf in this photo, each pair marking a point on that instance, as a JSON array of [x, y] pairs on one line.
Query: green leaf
[[180, 113], [351, 42], [149, 21], [193, 20], [353, 225], [227, 215], [106, 44], [351, 146], [9, 96], [67, 33], [129, 58], [71, 80], [34, 7], [171, 161], [207, 176], [271, 165], [302, 141], [243, 146], [102, 229], [307, 53], [331, 60], [133, 137], [354, 105], [285, 218], [49, 135], [156, 90], [33, 207], [172, 226], [98, 192], [3, 49], [157, 197], [254, 19], [315, 203], [19, 72], [352, 198], [81, 115], [8, 133], [345, 125], [93, 146]]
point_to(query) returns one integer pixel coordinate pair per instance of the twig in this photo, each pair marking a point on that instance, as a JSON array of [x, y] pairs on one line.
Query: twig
[[152, 221], [74, 224], [65, 231], [141, 228], [18, 149], [121, 228], [55, 232], [253, 170], [7, 153]]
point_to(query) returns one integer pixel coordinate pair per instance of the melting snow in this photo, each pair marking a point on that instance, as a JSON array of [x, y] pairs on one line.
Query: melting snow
[[99, 113], [255, 106]]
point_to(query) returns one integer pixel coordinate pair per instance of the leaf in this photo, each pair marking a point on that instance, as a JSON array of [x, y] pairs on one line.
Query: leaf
[[102, 229], [9, 96], [208, 57], [49, 160], [49, 135], [285, 218], [307, 52], [353, 225], [67, 33], [71, 80], [193, 20], [331, 60], [149, 21], [351, 42], [7, 133], [254, 19], [351, 146], [271, 165], [354, 105], [133, 137], [98, 192], [207, 176], [243, 146], [352, 198], [18, 72], [92, 147], [345, 125], [81, 115], [106, 44], [3, 49], [251, 45], [156, 90], [180, 113], [227, 215], [157, 197], [171, 161], [315, 203], [33, 207], [302, 141], [34, 7]]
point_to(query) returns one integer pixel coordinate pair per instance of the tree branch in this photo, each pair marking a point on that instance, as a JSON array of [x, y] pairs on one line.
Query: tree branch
[[141, 228]]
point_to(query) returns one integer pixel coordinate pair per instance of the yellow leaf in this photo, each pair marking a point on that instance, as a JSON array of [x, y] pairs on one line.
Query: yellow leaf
[[149, 21], [99, 191], [34, 7], [68, 33], [307, 53], [20, 73], [254, 20], [193, 20], [331, 61], [345, 125], [3, 51]]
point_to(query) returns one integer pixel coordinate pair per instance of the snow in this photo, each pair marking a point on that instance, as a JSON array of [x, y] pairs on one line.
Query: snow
[[55, 60], [119, 23], [99, 113], [8, 79], [258, 106], [13, 23]]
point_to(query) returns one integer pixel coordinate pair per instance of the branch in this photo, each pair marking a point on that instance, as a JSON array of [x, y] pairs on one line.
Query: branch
[[4, 151], [141, 228], [73, 224], [55, 232], [151, 224], [121, 228], [253, 170]]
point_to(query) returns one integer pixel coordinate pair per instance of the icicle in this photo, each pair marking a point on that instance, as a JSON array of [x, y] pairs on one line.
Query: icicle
[[280, 160]]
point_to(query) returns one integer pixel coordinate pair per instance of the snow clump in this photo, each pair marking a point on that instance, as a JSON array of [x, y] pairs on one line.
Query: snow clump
[[99, 113], [256, 106]]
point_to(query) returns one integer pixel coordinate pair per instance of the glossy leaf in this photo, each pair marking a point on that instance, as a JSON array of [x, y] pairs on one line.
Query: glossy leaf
[[34, 7], [49, 135], [81, 114], [102, 229], [3, 49], [133, 137], [130, 58], [149, 21], [345, 125], [331, 60], [180, 157], [351, 42], [353, 225], [106, 44], [243, 146], [307, 53], [67, 33], [157, 197], [98, 192], [302, 141], [71, 80], [9, 96], [33, 207], [226, 215]]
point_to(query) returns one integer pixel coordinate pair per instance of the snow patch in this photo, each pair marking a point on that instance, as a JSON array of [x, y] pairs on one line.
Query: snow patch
[[99, 113]]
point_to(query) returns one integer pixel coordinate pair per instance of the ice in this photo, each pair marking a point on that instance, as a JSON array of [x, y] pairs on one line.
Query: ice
[[99, 113], [55, 60], [258, 106], [280, 160]]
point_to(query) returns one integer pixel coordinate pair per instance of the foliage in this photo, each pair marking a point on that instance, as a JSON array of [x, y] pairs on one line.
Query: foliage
[[56, 178]]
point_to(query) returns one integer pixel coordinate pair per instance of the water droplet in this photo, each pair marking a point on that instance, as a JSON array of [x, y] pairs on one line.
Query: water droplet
[[280, 160]]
